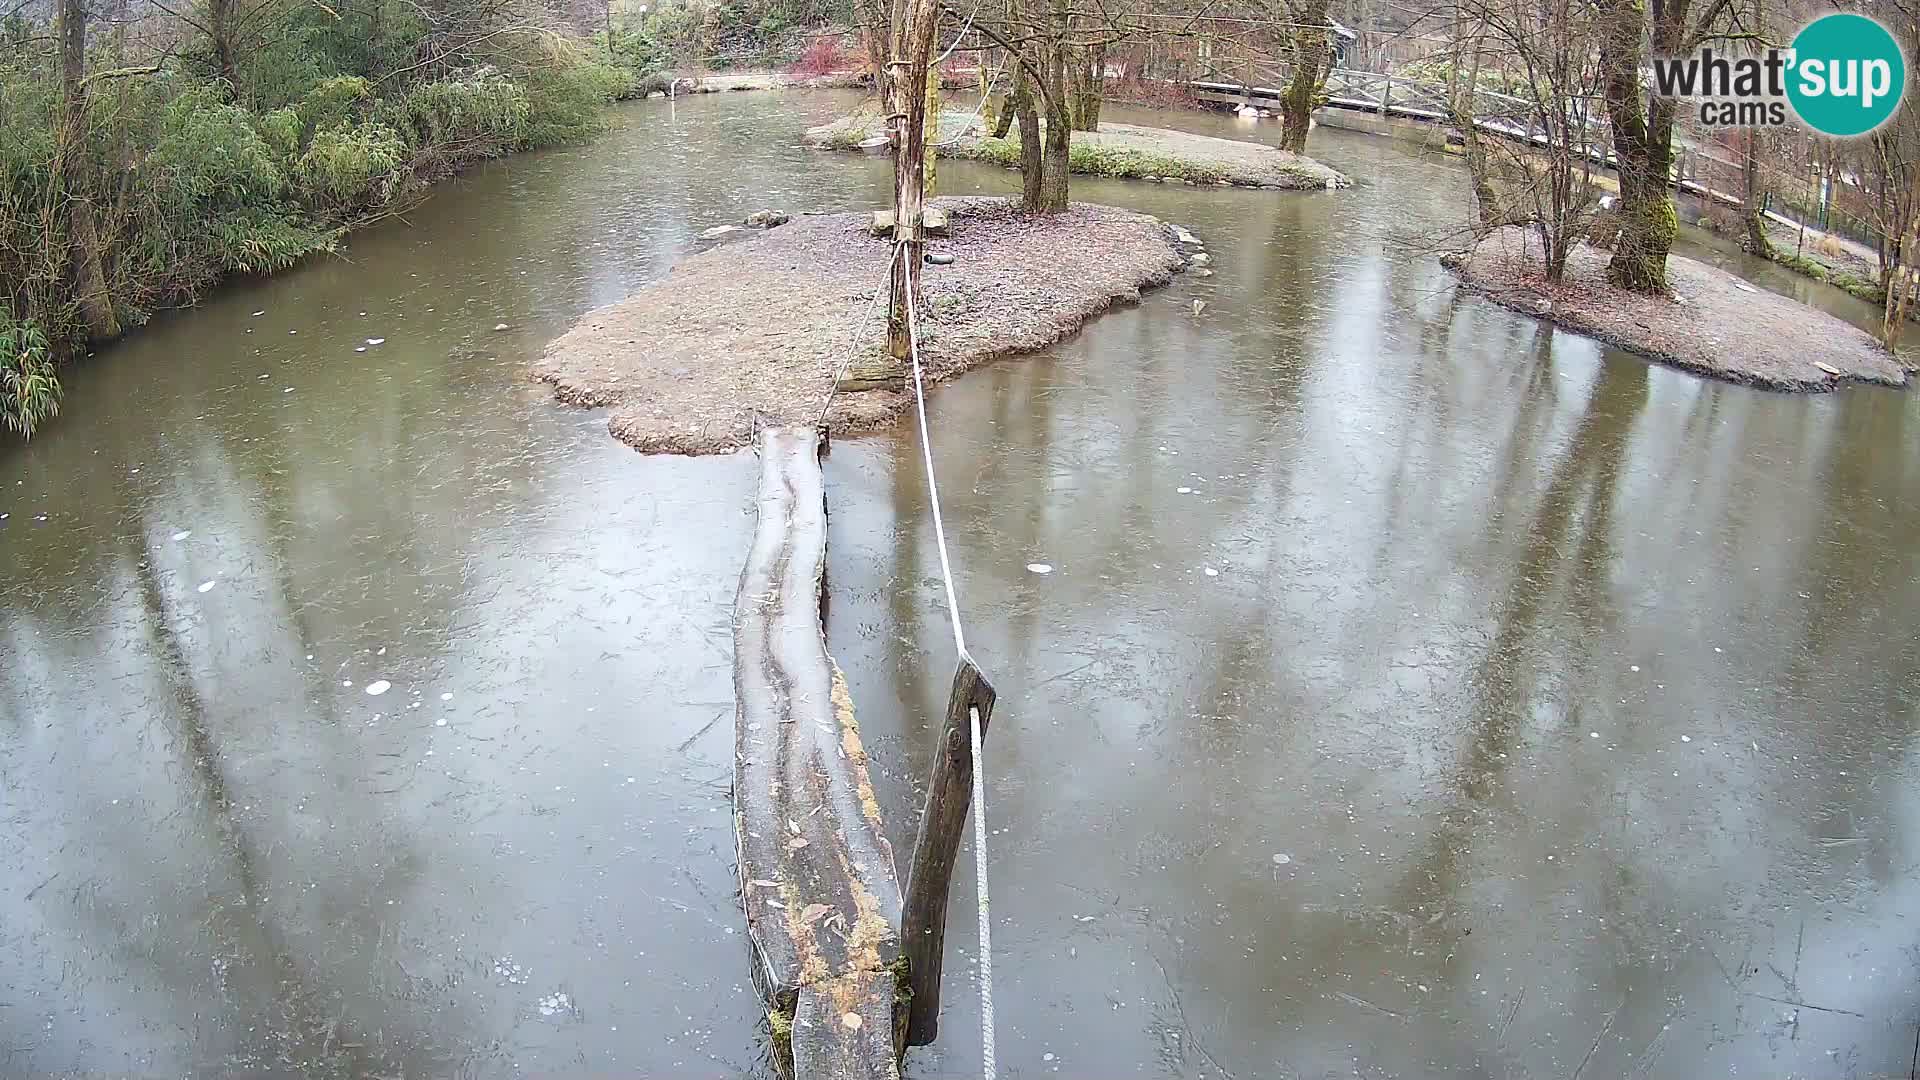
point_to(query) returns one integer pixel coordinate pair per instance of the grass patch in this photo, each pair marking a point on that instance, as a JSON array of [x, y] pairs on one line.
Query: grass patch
[[1089, 160], [1850, 283]]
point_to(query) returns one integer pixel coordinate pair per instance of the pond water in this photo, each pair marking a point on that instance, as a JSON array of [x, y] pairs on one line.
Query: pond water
[[1418, 691]]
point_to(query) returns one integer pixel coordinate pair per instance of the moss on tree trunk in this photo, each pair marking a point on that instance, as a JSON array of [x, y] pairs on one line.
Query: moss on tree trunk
[[73, 170], [1054, 179], [1089, 75], [1753, 207], [1642, 145], [1311, 56]]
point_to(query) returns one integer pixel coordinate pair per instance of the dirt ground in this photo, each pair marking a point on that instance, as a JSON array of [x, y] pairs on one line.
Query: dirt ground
[[1125, 151], [1714, 324], [764, 324]]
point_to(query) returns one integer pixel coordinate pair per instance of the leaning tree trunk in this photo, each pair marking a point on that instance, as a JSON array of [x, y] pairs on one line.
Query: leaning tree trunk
[[1310, 60], [73, 179], [1000, 112], [1753, 206], [1643, 148]]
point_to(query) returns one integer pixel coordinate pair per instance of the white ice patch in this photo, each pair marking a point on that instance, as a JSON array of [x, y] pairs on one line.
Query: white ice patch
[[182, 535], [1282, 858], [376, 341], [554, 1004], [446, 696], [206, 586], [1039, 568], [378, 687]]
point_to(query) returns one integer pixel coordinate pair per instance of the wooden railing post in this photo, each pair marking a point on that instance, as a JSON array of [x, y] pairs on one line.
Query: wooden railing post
[[923, 923]]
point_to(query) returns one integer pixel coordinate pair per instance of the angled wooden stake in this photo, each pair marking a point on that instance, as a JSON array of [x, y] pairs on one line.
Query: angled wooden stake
[[923, 929]]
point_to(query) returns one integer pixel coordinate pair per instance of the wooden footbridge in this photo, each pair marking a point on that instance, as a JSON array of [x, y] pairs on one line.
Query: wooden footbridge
[[848, 969], [1426, 101], [816, 872]]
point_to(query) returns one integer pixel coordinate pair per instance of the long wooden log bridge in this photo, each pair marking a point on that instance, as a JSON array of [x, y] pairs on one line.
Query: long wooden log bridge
[[816, 871], [824, 908]]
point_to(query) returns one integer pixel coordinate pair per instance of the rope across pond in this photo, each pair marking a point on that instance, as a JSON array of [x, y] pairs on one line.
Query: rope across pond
[[988, 1065]]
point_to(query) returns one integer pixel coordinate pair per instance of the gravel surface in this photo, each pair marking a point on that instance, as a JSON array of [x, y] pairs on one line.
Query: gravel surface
[[1714, 324], [763, 325], [1126, 151]]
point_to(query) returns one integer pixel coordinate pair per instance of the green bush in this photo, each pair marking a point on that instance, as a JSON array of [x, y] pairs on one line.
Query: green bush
[[567, 103], [265, 241], [481, 116], [210, 155], [282, 131], [29, 392], [332, 113], [332, 103], [352, 166]]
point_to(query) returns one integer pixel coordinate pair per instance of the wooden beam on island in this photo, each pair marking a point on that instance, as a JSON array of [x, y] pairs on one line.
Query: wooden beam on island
[[817, 877]]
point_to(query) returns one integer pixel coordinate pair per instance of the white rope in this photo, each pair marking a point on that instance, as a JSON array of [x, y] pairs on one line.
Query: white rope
[[985, 95], [962, 36], [988, 1066], [980, 880], [926, 455]]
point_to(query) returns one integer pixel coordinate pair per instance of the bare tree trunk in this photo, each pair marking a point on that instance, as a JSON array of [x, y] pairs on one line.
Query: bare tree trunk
[[1089, 75], [220, 15], [1901, 283], [1754, 203], [875, 38], [1643, 148], [72, 178], [907, 74], [1033, 162], [1488, 213], [1311, 56], [1033, 165], [1059, 129]]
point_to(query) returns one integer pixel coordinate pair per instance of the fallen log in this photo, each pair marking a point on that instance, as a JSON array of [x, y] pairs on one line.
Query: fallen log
[[817, 877]]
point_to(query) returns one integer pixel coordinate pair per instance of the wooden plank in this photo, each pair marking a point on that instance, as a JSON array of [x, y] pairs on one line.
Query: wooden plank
[[949, 791], [817, 876]]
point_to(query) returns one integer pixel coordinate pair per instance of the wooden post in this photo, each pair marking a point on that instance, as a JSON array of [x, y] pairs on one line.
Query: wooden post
[[907, 76], [1386, 96], [949, 790]]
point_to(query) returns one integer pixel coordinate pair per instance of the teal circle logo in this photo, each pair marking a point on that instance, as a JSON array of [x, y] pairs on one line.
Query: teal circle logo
[[1848, 75]]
